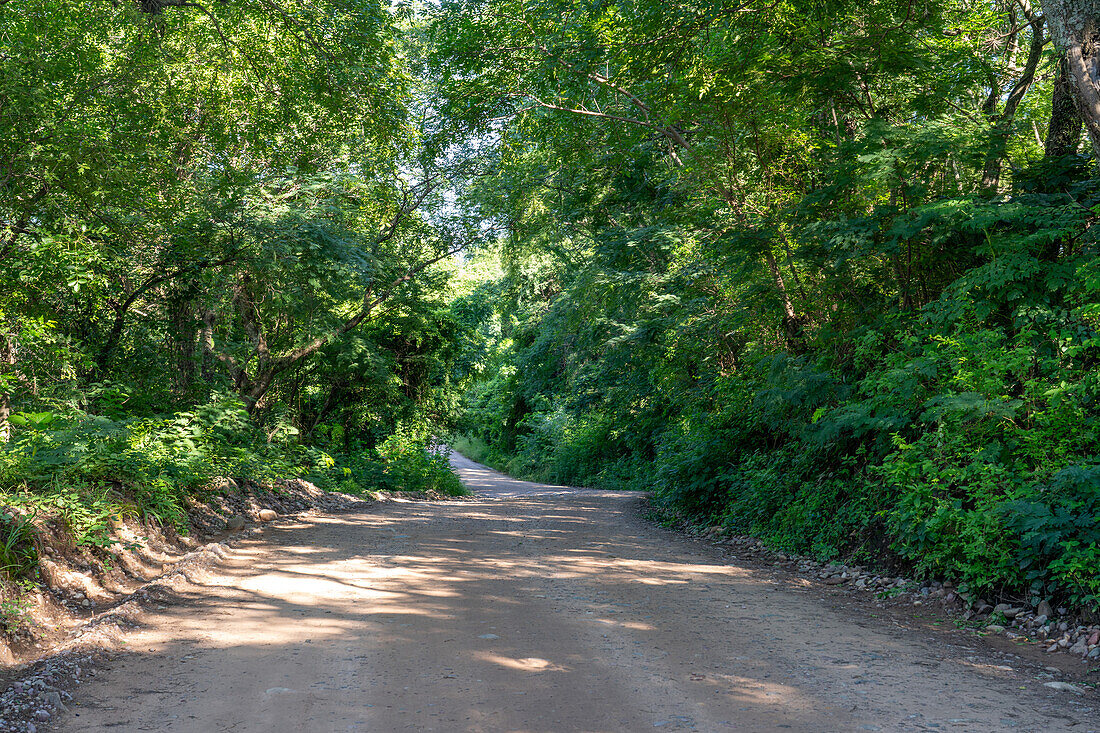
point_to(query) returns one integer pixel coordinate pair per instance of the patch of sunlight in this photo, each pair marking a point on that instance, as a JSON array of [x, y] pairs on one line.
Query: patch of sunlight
[[633, 625], [660, 581], [527, 664]]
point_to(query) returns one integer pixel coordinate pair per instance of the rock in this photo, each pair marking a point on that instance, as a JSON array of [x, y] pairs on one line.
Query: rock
[[235, 522], [1044, 609], [53, 699], [225, 484], [42, 715], [1001, 608], [1012, 612], [995, 629], [983, 608], [1040, 620], [1095, 653], [1094, 639], [835, 581], [1064, 687], [1052, 648], [266, 515], [1081, 647]]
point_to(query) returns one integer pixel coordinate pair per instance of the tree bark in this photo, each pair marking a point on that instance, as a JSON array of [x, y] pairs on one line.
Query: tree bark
[[181, 336], [1002, 125], [1075, 28], [114, 336], [7, 364], [1064, 131]]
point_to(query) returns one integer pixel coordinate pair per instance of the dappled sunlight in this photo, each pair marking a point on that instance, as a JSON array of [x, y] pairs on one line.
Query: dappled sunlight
[[412, 585], [528, 614], [632, 625], [527, 664]]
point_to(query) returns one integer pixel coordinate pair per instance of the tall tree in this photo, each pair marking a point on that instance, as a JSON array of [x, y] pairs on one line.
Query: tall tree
[[1075, 28]]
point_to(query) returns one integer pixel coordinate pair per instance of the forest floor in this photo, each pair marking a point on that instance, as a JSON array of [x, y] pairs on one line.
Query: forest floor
[[540, 608]]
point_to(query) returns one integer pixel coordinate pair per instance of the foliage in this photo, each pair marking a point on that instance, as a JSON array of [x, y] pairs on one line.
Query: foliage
[[18, 555], [15, 614], [806, 269], [412, 463], [779, 268], [216, 255]]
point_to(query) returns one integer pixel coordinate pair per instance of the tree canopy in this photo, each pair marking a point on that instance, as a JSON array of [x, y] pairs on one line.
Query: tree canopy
[[824, 272]]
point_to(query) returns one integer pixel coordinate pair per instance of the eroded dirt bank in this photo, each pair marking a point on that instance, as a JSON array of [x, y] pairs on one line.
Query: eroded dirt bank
[[533, 609]]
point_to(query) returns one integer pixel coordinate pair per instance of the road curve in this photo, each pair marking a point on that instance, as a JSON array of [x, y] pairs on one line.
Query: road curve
[[532, 609]]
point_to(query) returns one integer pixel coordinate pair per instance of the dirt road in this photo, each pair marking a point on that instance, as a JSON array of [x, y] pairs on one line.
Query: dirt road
[[533, 609]]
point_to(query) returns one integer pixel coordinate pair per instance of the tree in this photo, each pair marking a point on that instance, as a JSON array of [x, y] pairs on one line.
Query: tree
[[1075, 28]]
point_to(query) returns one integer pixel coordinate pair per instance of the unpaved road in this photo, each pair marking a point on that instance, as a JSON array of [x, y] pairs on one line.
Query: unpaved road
[[532, 609]]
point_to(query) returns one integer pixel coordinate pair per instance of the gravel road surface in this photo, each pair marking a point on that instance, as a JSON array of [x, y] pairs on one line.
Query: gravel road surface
[[533, 608]]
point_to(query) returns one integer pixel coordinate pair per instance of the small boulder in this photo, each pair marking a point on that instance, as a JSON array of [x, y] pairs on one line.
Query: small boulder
[[267, 515], [235, 522], [1044, 609], [224, 484], [1064, 687], [53, 699]]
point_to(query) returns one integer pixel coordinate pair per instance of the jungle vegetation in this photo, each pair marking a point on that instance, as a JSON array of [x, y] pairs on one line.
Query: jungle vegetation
[[821, 271]]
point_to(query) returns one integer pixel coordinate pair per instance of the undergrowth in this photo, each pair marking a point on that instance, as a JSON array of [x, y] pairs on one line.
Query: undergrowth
[[84, 472], [956, 440]]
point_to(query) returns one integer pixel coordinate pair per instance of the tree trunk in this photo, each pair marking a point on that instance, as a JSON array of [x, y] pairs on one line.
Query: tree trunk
[[1002, 125], [792, 324], [7, 364], [1075, 28], [181, 337], [1064, 132]]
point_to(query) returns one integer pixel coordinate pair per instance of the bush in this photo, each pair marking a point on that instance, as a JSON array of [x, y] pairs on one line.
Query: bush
[[413, 463], [87, 470]]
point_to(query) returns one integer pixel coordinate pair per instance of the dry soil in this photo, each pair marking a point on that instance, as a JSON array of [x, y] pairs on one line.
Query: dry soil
[[534, 608]]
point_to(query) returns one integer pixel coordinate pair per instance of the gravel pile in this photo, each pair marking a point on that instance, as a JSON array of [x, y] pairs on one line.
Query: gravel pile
[[29, 704]]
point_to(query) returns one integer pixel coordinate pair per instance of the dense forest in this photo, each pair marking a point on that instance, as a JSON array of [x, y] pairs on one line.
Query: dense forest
[[820, 272]]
